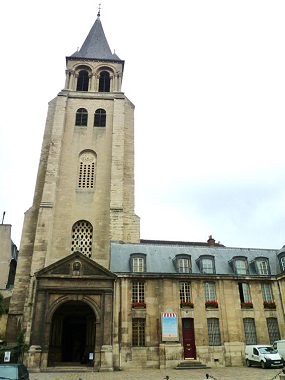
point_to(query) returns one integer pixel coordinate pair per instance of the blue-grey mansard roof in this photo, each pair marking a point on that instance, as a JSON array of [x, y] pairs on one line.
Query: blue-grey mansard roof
[[160, 257]]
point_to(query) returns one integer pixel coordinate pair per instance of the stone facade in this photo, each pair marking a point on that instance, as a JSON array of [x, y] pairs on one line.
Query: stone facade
[[237, 321]]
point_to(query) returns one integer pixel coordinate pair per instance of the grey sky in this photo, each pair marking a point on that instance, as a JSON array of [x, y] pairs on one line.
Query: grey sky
[[207, 79]]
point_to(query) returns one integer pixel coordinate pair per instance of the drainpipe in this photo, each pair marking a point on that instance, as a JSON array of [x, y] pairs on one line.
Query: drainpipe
[[120, 325], [281, 298]]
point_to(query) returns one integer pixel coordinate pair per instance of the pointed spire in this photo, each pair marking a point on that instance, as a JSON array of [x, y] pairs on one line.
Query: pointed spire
[[96, 45]]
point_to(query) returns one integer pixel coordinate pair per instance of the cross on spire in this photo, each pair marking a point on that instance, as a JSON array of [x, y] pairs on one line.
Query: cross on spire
[[99, 9]]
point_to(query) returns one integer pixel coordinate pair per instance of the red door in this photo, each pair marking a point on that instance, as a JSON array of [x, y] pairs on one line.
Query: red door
[[188, 338]]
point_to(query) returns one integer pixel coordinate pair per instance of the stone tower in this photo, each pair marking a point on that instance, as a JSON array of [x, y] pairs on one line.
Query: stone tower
[[84, 198]]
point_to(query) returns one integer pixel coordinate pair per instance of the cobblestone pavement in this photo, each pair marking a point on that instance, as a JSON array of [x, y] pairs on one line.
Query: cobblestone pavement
[[242, 373]]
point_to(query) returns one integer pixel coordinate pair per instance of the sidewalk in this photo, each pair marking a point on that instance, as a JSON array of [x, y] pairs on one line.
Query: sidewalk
[[228, 373]]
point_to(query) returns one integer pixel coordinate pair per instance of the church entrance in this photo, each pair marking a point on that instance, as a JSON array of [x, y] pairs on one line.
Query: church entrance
[[73, 334]]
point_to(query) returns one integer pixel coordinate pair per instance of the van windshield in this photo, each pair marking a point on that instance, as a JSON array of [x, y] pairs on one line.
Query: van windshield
[[267, 350], [8, 372]]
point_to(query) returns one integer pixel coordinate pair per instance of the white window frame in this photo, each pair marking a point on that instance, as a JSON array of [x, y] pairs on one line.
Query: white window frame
[[183, 265], [262, 266], [207, 265], [210, 291], [138, 264], [266, 292], [241, 266], [185, 291]]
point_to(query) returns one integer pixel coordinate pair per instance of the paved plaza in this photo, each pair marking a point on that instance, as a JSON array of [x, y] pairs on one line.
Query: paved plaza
[[242, 373]]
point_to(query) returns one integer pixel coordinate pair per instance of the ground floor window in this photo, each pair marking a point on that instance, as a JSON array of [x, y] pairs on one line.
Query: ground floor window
[[249, 331], [214, 332], [273, 329], [138, 329]]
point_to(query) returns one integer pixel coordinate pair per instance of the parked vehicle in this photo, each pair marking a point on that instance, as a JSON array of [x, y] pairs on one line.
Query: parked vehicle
[[263, 355], [13, 371], [279, 345]]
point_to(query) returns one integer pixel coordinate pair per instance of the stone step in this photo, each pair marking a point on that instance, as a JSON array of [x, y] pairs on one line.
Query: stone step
[[191, 364]]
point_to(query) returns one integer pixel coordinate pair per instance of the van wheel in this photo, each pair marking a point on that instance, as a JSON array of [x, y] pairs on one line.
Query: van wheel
[[263, 365], [248, 363]]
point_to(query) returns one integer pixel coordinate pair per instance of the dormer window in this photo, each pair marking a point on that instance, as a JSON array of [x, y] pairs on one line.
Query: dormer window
[[282, 263], [206, 264], [261, 265], [281, 258], [138, 262], [239, 265], [182, 263]]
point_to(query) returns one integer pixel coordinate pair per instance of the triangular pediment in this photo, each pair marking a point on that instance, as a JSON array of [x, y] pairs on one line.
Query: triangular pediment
[[76, 265]]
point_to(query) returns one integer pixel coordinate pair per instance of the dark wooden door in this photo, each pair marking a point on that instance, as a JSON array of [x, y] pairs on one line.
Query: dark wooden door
[[188, 338]]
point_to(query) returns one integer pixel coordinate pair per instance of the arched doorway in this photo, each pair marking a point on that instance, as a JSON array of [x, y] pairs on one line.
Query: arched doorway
[[72, 334]]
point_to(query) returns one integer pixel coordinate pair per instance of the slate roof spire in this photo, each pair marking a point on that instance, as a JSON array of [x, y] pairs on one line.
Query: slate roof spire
[[96, 45]]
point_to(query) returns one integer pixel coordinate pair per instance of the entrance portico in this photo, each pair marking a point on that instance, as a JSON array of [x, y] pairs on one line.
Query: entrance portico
[[73, 313]]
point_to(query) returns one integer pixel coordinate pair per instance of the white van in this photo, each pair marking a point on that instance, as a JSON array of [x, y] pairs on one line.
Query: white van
[[263, 355], [279, 345]]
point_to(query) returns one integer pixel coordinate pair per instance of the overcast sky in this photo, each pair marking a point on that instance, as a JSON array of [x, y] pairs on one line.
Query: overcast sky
[[207, 78]]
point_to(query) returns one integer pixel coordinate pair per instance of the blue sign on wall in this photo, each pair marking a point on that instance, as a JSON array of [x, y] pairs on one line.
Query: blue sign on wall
[[169, 326]]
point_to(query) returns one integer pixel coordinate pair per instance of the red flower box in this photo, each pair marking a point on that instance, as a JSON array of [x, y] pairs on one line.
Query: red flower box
[[139, 305], [212, 304]]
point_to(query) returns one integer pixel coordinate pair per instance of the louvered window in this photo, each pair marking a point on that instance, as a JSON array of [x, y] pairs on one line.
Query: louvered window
[[86, 171]]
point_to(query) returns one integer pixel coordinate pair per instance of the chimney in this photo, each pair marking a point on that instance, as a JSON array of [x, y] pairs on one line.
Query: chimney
[[211, 241]]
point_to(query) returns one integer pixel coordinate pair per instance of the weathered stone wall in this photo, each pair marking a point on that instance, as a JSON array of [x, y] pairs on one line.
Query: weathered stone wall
[[162, 294]]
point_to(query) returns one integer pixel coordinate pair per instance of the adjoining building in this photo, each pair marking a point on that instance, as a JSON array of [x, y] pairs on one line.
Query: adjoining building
[[8, 265], [88, 290]]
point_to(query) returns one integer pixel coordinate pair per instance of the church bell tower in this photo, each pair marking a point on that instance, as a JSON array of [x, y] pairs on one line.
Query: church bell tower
[[84, 193]]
